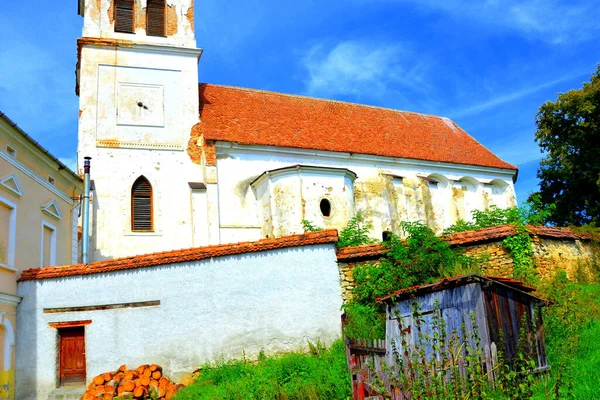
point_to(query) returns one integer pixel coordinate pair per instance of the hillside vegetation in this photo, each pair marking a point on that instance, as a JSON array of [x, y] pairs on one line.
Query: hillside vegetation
[[571, 321], [320, 374]]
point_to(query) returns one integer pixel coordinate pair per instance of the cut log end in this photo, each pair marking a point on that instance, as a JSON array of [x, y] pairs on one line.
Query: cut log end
[[133, 384]]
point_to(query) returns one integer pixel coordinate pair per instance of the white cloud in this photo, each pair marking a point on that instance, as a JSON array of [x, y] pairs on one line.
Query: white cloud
[[552, 21], [361, 69], [509, 97]]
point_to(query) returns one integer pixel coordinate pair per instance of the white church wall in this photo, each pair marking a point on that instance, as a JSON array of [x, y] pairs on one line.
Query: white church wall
[[126, 141], [199, 217], [291, 195], [169, 174], [336, 187], [215, 308], [113, 78], [380, 182], [441, 195]]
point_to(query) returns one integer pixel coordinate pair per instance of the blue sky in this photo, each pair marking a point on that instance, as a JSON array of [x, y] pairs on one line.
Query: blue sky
[[487, 64]]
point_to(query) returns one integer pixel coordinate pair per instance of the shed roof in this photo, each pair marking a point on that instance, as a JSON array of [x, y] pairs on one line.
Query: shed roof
[[178, 256], [448, 283], [256, 117]]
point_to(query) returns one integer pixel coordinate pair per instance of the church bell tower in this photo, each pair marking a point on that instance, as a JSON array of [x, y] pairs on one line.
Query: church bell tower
[[137, 81]]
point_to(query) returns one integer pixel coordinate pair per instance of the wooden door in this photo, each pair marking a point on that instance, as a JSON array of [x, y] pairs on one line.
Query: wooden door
[[72, 355]]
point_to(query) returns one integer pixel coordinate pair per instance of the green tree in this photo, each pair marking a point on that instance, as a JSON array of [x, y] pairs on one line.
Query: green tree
[[568, 131]]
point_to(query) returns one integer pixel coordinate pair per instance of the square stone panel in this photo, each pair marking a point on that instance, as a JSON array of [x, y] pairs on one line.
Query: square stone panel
[[139, 108], [140, 105]]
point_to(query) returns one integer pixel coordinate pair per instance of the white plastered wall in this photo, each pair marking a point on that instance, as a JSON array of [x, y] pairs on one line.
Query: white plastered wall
[[289, 196], [386, 190], [127, 141], [216, 308]]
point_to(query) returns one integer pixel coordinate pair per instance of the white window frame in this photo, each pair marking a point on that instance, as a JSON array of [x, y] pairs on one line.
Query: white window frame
[[52, 244], [9, 340], [12, 235]]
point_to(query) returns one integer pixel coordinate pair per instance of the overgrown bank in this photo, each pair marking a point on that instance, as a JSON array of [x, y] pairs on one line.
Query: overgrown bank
[[572, 319], [572, 325], [321, 374], [572, 330]]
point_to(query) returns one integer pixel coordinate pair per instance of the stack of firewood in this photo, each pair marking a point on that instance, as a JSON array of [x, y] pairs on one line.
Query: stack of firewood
[[144, 382]]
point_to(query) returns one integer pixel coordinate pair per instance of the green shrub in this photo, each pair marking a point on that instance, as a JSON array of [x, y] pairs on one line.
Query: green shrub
[[494, 216], [309, 227], [356, 233], [421, 258], [519, 246], [364, 322], [323, 375]]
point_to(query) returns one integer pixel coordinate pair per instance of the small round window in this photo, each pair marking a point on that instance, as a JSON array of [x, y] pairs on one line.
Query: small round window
[[325, 206]]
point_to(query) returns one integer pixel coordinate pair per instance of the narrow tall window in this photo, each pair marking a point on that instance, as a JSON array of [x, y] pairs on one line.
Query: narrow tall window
[[141, 205], [155, 18], [124, 16], [48, 256], [5, 227]]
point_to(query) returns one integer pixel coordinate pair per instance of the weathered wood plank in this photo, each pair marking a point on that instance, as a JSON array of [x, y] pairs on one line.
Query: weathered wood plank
[[152, 303]]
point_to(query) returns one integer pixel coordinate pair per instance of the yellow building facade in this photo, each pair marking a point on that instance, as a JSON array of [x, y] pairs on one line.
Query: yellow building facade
[[39, 208]]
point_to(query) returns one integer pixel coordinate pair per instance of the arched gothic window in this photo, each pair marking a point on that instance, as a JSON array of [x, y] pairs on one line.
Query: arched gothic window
[[141, 205]]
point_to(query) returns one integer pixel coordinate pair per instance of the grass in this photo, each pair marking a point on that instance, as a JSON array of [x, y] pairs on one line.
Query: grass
[[364, 322], [322, 374], [572, 341], [572, 329], [586, 364]]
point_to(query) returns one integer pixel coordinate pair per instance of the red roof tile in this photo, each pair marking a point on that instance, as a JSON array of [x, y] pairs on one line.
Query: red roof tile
[[500, 232], [257, 117], [466, 238], [481, 235], [558, 233], [355, 252], [178, 256]]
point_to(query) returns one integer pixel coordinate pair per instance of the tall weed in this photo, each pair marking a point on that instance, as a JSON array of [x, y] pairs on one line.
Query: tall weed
[[321, 375]]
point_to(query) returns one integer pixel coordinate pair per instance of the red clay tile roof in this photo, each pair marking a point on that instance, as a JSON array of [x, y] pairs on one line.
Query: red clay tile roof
[[454, 282], [373, 251], [366, 251], [500, 232], [255, 117], [558, 233], [178, 256], [481, 235]]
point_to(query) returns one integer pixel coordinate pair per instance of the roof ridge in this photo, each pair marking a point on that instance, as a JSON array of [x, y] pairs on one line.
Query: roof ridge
[[181, 255], [300, 96], [491, 233]]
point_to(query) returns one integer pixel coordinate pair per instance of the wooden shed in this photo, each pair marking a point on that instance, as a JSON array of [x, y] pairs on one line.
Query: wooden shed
[[488, 312]]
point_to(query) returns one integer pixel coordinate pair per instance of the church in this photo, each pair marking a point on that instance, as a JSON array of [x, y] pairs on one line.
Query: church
[[177, 164], [198, 194]]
